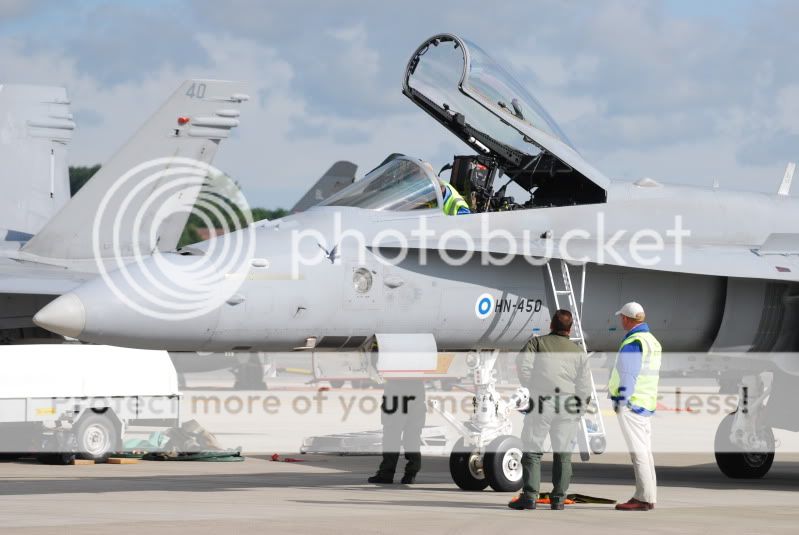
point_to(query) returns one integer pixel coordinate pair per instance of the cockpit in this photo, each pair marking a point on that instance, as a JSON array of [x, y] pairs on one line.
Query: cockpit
[[517, 143], [398, 184]]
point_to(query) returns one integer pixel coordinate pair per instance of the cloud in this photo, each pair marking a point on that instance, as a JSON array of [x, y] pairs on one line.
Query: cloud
[[641, 87], [11, 9], [122, 44]]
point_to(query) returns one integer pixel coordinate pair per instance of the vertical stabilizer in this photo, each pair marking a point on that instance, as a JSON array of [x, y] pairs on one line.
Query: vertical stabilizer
[[35, 126], [142, 181], [785, 187], [340, 175]]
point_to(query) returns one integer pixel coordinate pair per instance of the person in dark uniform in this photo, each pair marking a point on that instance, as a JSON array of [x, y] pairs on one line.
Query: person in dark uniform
[[403, 413]]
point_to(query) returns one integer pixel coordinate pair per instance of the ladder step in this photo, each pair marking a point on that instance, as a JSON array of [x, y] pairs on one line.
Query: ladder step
[[563, 292]]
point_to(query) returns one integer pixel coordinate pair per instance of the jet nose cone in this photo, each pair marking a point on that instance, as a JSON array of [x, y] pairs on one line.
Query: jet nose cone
[[66, 316]]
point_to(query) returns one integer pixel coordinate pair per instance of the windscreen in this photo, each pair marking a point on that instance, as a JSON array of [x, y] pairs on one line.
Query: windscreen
[[398, 185]]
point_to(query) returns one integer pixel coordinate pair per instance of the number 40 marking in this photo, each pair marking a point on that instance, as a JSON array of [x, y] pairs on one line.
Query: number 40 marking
[[196, 91]]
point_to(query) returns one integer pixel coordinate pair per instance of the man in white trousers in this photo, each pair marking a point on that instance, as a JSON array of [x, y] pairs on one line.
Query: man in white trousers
[[633, 386]]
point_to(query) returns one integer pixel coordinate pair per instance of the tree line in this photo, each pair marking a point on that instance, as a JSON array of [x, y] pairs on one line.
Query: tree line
[[79, 175]]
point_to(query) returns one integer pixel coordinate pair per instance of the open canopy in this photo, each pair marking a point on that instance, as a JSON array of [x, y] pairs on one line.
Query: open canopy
[[460, 85]]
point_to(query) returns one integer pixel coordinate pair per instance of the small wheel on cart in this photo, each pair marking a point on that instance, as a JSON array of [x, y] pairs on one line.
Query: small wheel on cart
[[598, 445], [503, 464], [96, 436], [466, 467]]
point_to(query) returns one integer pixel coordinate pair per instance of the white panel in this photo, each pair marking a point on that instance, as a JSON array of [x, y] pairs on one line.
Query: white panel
[[12, 410], [76, 370], [406, 354]]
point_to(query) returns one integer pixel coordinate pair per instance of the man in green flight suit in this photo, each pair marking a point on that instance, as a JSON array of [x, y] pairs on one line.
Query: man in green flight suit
[[556, 372]]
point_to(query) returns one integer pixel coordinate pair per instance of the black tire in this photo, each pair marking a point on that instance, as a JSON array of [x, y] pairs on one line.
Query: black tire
[[336, 383], [737, 463], [502, 464], [96, 436], [463, 470]]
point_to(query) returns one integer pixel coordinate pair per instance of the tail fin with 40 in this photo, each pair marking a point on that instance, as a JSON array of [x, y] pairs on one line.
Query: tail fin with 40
[[188, 127]]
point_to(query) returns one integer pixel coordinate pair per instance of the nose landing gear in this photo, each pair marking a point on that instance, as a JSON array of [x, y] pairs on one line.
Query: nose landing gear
[[487, 454]]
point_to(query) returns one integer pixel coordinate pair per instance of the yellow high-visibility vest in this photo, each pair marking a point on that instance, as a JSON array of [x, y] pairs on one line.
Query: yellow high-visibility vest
[[646, 387], [454, 202]]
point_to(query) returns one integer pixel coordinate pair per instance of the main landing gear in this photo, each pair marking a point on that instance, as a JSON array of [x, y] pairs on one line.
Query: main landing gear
[[744, 444]]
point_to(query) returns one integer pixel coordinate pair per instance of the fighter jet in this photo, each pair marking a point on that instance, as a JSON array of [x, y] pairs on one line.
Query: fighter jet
[[48, 236], [380, 261], [36, 125]]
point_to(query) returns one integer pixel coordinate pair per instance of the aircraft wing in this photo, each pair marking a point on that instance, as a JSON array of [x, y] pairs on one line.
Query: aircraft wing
[[29, 278], [723, 261]]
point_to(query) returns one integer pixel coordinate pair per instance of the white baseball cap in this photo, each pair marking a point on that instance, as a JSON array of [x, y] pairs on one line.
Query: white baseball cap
[[632, 310]]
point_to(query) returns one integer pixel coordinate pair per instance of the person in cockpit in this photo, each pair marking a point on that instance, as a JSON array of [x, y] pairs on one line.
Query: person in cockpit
[[454, 203]]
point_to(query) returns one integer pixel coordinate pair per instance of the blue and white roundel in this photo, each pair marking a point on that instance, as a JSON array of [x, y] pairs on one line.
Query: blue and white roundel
[[484, 306]]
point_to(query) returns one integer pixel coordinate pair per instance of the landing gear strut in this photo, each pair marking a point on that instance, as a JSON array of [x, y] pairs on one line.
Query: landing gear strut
[[487, 454], [744, 444]]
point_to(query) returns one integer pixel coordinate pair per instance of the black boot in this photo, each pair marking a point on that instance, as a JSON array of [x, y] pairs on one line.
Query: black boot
[[381, 478], [522, 502], [408, 479]]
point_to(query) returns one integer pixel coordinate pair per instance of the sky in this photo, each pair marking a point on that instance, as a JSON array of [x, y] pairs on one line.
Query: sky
[[681, 91]]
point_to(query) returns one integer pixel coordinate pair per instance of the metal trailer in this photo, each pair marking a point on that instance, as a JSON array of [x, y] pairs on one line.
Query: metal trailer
[[80, 399]]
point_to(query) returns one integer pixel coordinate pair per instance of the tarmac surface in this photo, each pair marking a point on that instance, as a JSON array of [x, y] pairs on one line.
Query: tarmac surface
[[330, 494]]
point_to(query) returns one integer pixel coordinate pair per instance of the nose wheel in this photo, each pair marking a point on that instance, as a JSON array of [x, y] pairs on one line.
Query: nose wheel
[[487, 454], [503, 464], [500, 467], [466, 467]]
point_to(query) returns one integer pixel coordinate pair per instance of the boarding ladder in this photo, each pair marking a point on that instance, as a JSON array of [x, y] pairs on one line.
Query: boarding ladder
[[591, 436]]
